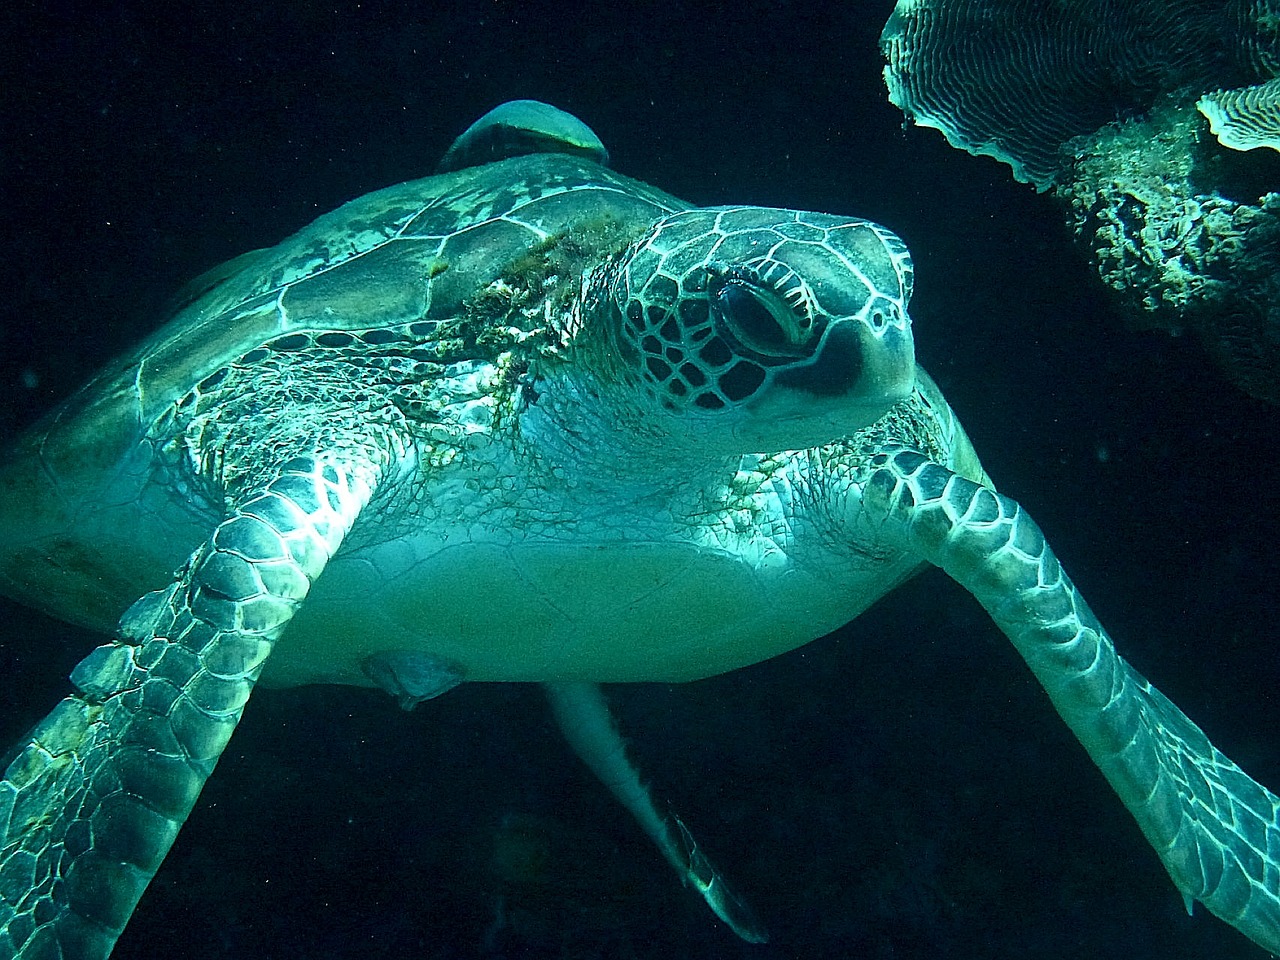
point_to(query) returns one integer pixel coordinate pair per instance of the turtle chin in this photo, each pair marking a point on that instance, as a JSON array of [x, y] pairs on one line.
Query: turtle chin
[[790, 419]]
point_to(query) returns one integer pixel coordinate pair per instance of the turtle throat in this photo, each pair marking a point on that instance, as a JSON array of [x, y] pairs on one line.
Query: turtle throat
[[582, 424]]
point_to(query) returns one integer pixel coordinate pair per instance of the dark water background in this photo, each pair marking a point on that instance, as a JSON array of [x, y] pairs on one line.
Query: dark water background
[[898, 789]]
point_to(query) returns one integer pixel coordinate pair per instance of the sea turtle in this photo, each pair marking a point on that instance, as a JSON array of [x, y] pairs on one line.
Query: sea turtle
[[533, 421]]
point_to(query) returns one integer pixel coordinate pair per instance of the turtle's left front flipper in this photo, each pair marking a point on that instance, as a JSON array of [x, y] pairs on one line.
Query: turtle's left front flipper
[[1216, 830], [94, 799]]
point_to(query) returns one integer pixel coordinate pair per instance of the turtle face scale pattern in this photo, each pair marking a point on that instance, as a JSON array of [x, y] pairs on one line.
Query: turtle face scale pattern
[[707, 333], [738, 329], [526, 420], [717, 305]]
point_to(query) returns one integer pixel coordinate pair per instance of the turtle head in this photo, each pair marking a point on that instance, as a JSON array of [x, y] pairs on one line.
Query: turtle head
[[770, 329]]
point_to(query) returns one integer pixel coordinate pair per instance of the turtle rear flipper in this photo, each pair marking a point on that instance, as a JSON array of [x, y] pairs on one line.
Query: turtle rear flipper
[[586, 722], [93, 801], [1217, 831]]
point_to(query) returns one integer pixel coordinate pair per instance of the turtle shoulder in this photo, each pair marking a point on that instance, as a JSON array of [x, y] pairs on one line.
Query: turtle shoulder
[[944, 430]]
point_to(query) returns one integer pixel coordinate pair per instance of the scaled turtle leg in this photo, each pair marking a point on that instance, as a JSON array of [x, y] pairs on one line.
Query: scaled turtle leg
[[583, 715], [93, 801], [1216, 830]]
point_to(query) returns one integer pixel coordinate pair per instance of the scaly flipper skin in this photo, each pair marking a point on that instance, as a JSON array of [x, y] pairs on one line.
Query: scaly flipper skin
[[1216, 830], [93, 801]]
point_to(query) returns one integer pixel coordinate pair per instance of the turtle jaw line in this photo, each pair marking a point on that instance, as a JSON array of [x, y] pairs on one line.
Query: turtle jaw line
[[606, 427], [791, 422]]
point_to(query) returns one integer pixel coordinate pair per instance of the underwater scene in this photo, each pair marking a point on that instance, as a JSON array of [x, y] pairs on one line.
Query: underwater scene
[[899, 788]]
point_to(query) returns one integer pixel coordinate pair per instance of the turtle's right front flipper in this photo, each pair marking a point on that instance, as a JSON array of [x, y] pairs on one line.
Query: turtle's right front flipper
[[1217, 831], [94, 799]]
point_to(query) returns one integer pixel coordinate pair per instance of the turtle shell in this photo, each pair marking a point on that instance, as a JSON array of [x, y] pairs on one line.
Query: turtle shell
[[407, 255], [411, 253]]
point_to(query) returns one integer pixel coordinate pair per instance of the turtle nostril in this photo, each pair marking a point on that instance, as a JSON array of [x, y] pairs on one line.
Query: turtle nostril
[[882, 316]]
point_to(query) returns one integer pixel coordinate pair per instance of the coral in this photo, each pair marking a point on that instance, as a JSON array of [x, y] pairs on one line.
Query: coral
[[1183, 253], [1244, 119], [1106, 103]]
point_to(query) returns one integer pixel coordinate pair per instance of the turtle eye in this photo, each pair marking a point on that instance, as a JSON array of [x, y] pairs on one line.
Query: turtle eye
[[757, 317], [750, 319]]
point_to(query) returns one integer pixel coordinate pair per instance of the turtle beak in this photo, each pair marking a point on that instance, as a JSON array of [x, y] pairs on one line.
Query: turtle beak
[[861, 360], [860, 371]]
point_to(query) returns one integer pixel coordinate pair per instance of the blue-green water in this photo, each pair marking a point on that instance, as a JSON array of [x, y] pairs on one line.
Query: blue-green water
[[901, 789]]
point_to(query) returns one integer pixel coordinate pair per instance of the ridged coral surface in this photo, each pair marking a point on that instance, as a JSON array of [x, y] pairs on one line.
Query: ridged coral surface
[[1016, 79], [1246, 118]]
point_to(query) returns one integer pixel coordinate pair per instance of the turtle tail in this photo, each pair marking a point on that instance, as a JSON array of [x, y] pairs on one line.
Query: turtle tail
[[1216, 830]]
